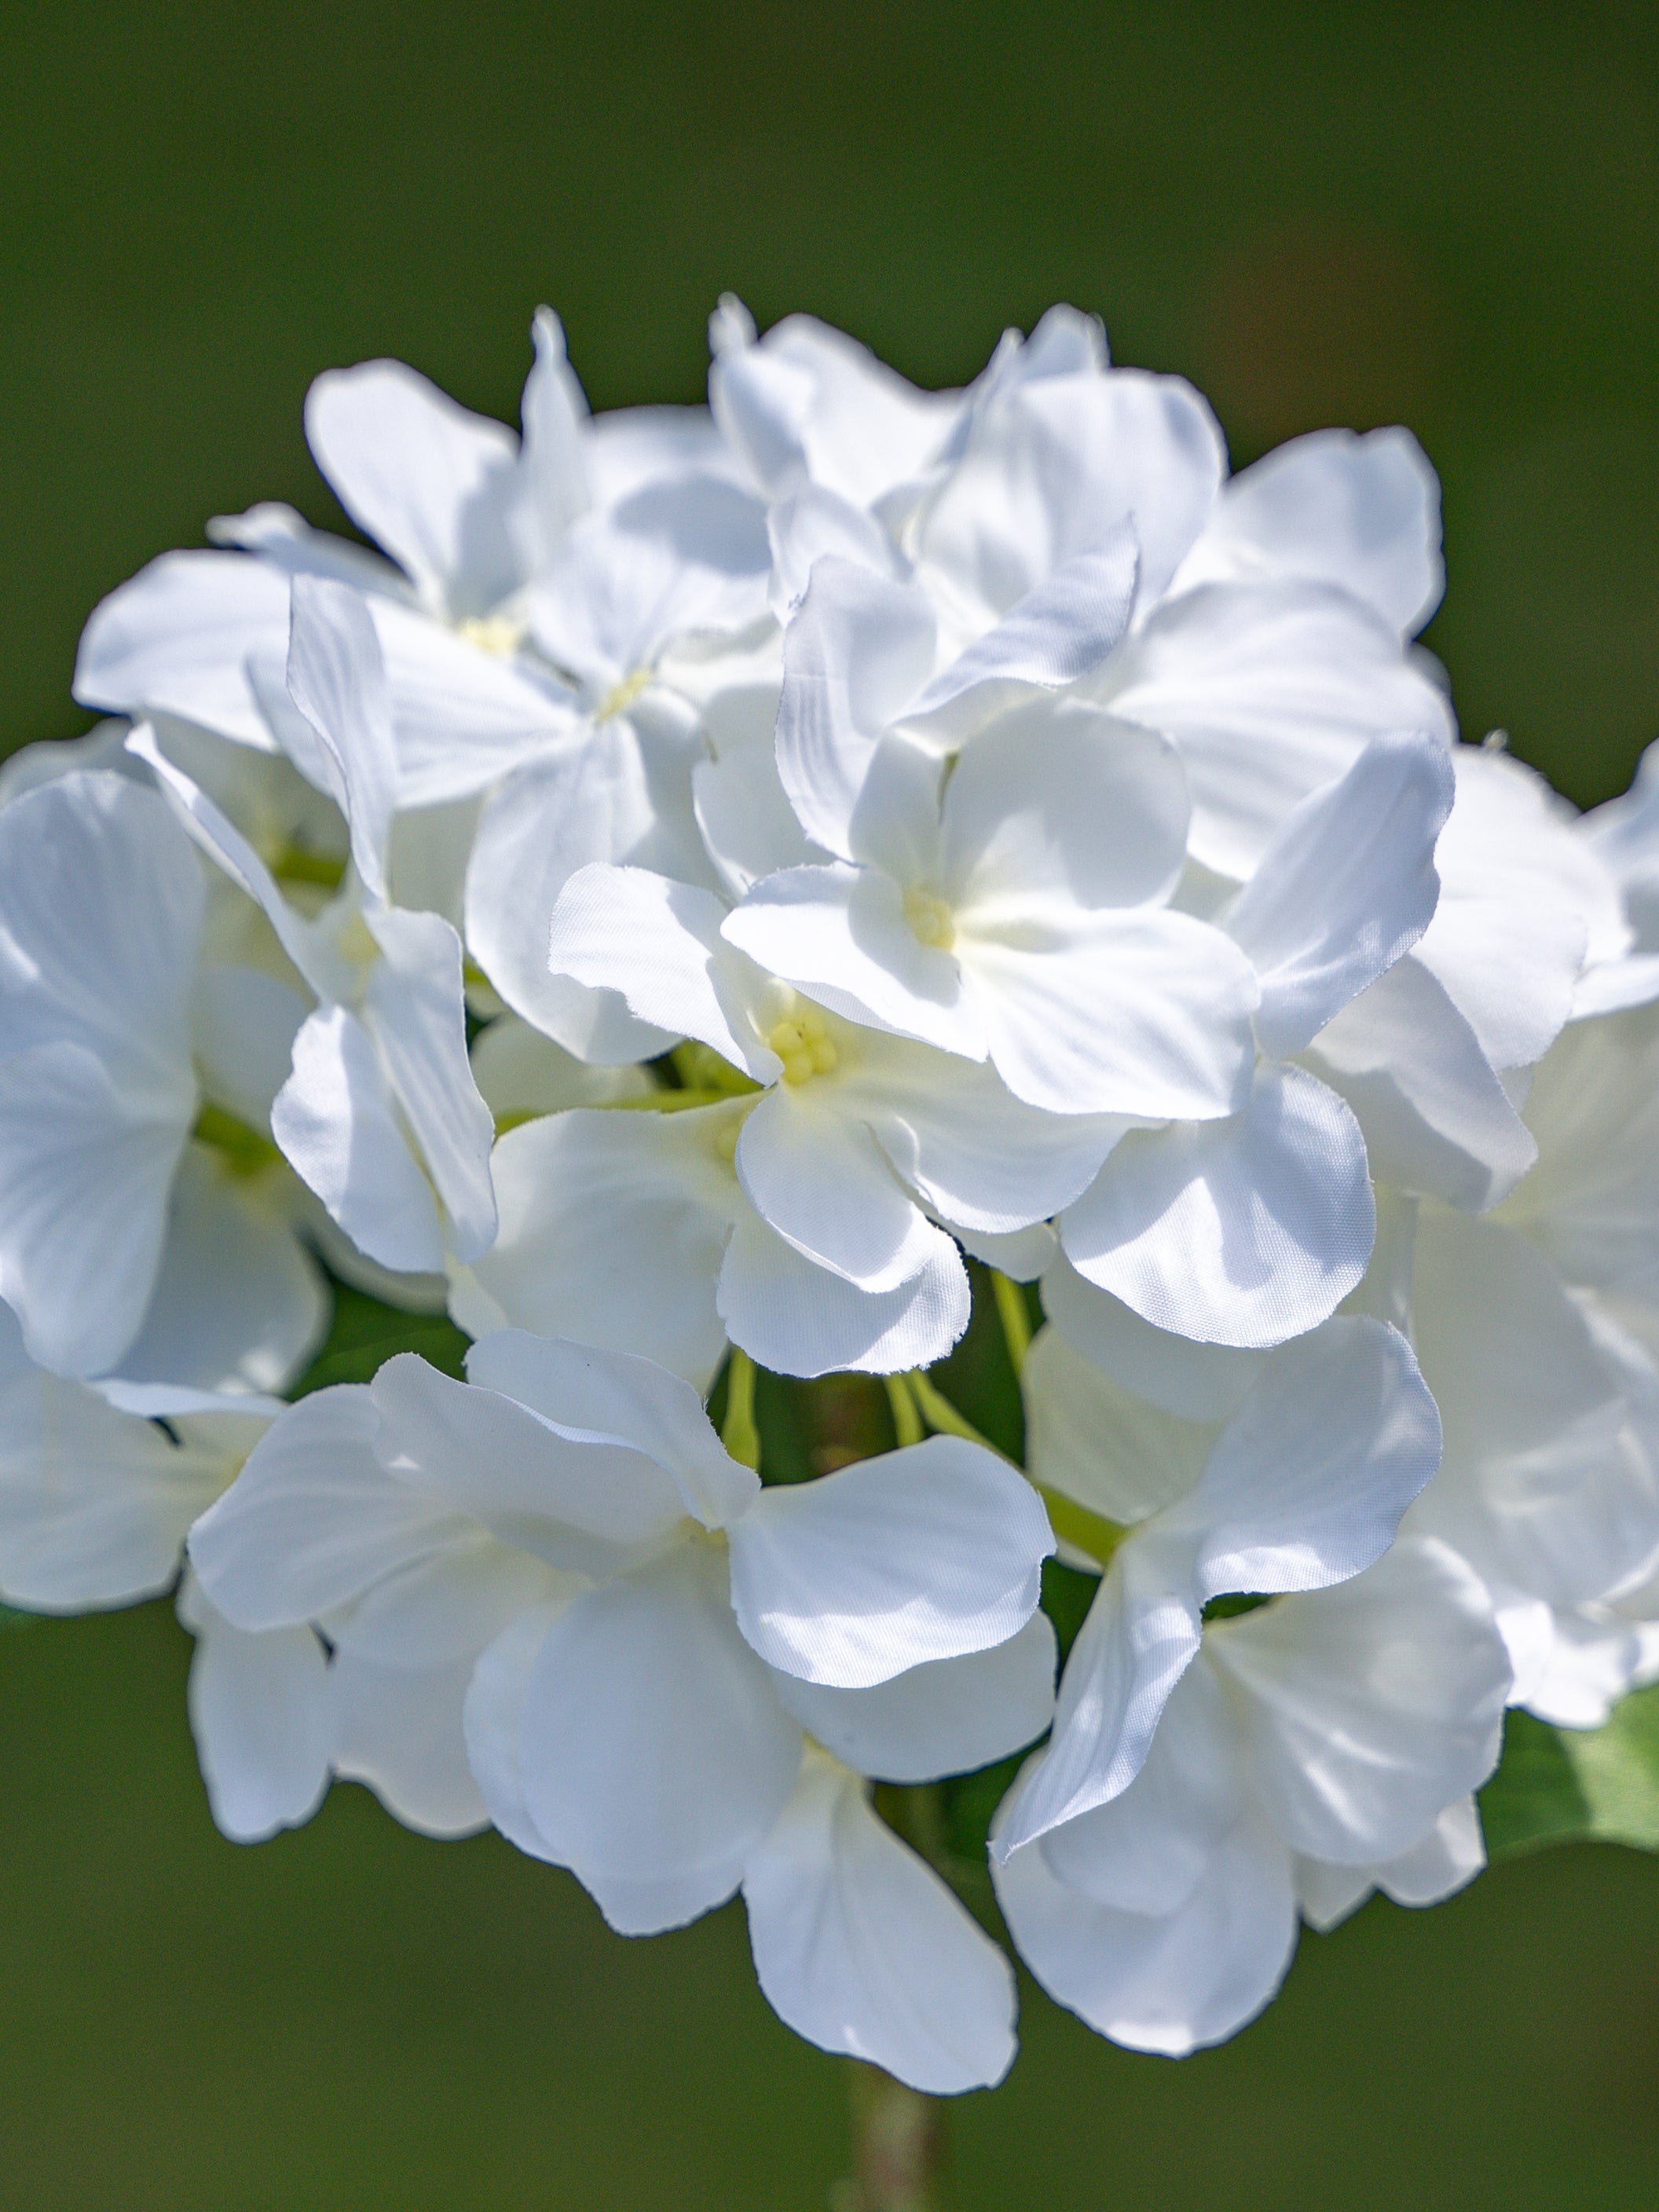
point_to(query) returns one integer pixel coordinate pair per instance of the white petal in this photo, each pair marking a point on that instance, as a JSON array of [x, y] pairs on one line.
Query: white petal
[[1138, 1639], [577, 1498], [102, 910], [336, 678], [313, 1519], [1347, 884], [658, 944], [398, 1729], [924, 1553], [238, 1302], [1118, 1011], [551, 487], [1058, 465], [748, 825], [841, 933], [543, 825], [1435, 1118], [1201, 1382], [1244, 1231], [260, 1713], [290, 544], [947, 1717], [613, 1393], [1368, 1710], [685, 557], [1592, 1201], [613, 1228], [1361, 511], [242, 1029], [859, 649], [1147, 1850], [519, 1072], [1058, 801], [798, 1319], [422, 475], [1450, 1857], [93, 1503], [335, 1122], [492, 1717], [463, 716], [809, 400], [818, 1177], [653, 1746], [206, 822], [958, 1137], [813, 523], [862, 1949], [1520, 900], [1063, 629], [176, 639], [1170, 1983], [84, 1178], [1268, 690], [1101, 1443], [417, 1009], [1308, 1481]]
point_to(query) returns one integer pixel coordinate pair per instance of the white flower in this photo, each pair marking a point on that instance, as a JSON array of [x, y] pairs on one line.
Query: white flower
[[1428, 1055], [1537, 1331], [125, 1246], [1316, 1747], [99, 1484], [631, 1230], [850, 1120], [1248, 1229], [647, 1633], [1324, 1444], [470, 516], [1622, 838], [380, 1116]]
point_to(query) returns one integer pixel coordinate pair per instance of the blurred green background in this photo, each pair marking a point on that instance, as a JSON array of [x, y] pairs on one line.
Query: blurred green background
[[1324, 213]]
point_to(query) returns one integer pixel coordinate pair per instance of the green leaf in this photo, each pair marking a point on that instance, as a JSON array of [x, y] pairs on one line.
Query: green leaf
[[366, 1333], [1570, 1785]]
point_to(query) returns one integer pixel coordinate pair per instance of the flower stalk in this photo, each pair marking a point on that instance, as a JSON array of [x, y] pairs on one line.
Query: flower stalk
[[898, 2146]]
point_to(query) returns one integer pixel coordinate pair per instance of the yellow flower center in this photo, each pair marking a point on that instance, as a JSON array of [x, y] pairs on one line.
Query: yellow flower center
[[804, 1046], [931, 920], [623, 695], [496, 634]]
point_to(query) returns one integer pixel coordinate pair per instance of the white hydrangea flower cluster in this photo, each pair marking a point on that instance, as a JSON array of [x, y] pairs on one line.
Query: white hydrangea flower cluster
[[708, 876]]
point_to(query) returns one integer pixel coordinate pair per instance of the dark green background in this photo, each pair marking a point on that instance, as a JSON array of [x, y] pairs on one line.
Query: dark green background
[[1447, 217]]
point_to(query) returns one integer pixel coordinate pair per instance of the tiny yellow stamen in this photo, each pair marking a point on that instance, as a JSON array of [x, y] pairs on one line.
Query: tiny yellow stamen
[[931, 920], [803, 1043], [622, 695], [496, 634]]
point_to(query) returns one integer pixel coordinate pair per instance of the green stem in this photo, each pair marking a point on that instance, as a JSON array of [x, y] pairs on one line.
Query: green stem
[[898, 2146], [1016, 1321], [939, 1414], [741, 1433], [907, 1421]]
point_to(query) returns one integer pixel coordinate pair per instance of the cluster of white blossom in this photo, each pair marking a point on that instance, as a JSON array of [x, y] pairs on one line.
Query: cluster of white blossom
[[708, 873]]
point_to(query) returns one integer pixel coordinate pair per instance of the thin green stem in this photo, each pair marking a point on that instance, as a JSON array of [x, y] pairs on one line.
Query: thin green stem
[[741, 1433], [907, 1421], [939, 1414], [1016, 1321], [898, 2146]]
